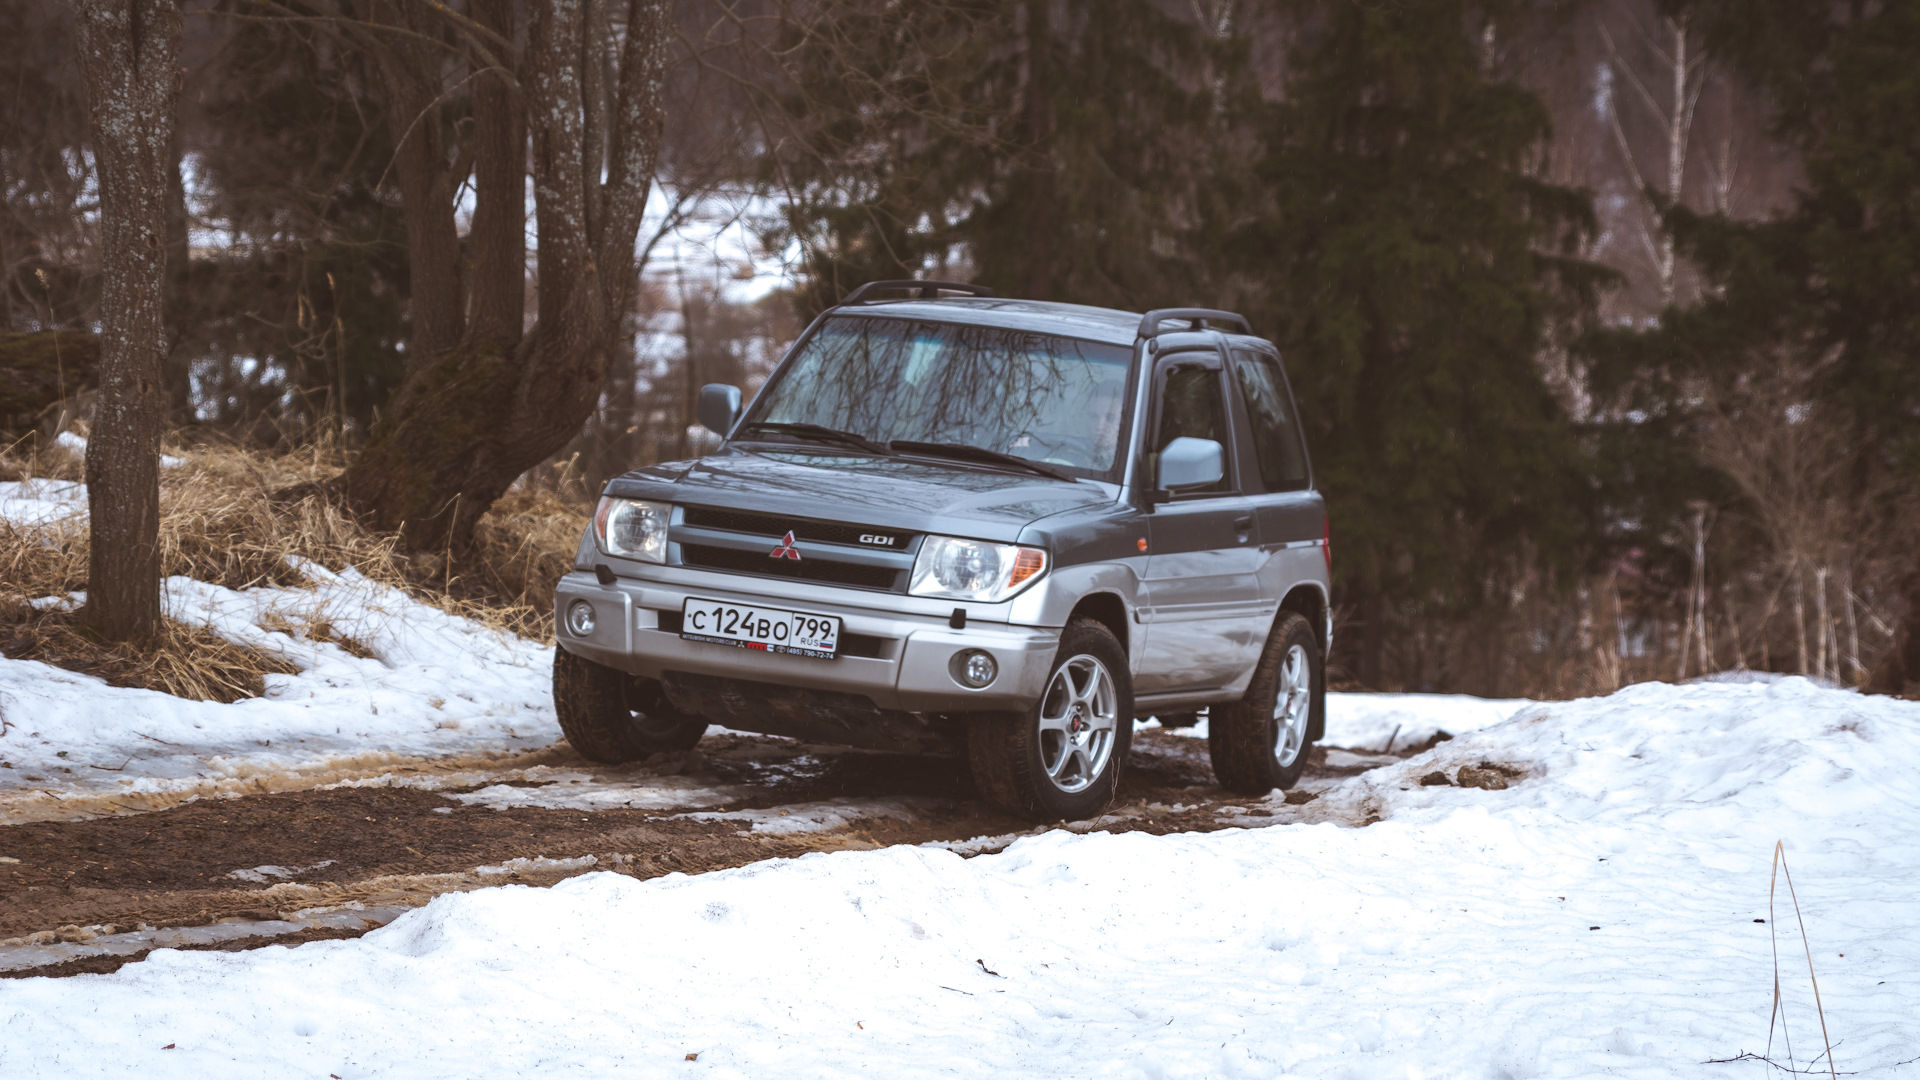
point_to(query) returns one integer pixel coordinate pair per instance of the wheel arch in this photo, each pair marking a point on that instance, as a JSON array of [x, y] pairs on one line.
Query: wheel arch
[[1108, 610], [1311, 603]]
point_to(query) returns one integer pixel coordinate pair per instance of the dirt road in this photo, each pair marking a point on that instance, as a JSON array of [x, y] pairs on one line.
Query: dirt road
[[281, 868]]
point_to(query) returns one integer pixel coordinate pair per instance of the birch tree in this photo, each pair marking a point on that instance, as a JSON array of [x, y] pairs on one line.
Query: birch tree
[[1680, 76]]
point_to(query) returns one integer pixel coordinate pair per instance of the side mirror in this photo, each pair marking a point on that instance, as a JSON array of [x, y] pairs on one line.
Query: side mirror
[[719, 407], [1191, 463]]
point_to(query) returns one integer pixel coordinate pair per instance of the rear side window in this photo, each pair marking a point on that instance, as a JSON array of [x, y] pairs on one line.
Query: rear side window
[[1276, 432]]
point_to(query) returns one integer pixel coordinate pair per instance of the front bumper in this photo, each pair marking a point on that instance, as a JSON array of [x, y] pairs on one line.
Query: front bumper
[[904, 655]]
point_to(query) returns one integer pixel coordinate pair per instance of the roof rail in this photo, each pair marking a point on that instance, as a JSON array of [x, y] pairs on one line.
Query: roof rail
[[1197, 316], [929, 290]]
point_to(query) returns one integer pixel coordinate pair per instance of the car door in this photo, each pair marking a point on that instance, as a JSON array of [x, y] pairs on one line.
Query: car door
[[1205, 615], [1289, 514]]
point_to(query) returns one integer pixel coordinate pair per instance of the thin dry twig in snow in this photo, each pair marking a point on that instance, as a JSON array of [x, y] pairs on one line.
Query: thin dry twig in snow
[[1779, 1012]]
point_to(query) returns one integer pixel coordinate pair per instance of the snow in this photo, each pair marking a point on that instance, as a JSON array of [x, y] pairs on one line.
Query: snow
[[39, 501], [262, 874], [825, 816], [436, 688], [1371, 721], [437, 701], [1378, 722], [1596, 918], [629, 788], [1599, 916], [73, 943]]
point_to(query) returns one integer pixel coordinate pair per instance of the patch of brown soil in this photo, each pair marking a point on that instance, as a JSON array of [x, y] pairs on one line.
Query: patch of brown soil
[[382, 846], [172, 867]]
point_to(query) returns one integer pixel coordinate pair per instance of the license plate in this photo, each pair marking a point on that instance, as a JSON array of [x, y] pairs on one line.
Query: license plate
[[764, 629]]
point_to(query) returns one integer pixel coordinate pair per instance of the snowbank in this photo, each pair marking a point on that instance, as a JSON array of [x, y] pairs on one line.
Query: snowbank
[[1597, 918], [1373, 721], [430, 685]]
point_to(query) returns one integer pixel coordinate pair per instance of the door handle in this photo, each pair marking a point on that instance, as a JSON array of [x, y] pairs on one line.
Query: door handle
[[1242, 526]]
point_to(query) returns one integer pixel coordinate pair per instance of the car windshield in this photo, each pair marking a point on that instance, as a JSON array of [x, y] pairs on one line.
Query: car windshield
[[1054, 400]]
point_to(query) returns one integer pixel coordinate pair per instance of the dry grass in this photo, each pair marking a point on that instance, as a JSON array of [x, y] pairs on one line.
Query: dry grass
[[220, 523], [185, 661]]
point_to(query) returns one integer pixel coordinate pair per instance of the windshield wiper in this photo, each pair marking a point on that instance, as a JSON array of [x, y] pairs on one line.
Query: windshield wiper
[[818, 433], [976, 453]]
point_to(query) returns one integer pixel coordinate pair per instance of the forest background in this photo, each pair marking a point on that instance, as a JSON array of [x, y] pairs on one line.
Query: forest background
[[1601, 313]]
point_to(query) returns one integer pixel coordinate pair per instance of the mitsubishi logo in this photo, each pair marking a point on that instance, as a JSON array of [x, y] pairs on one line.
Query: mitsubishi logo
[[786, 550]]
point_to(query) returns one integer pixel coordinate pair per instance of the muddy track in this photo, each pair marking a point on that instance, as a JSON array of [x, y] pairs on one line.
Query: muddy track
[[397, 847]]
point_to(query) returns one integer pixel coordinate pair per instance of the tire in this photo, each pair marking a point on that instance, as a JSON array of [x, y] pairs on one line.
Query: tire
[[1028, 763], [1261, 742], [613, 717]]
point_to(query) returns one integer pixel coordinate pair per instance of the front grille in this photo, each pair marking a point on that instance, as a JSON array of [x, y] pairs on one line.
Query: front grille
[[812, 568], [832, 532]]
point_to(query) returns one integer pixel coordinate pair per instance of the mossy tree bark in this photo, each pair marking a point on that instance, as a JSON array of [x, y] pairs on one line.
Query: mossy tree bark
[[472, 418], [130, 52]]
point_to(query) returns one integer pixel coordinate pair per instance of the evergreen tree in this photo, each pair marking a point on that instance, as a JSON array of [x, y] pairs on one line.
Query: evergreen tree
[[1416, 266], [301, 317], [1108, 115], [880, 112], [1050, 148], [1830, 287]]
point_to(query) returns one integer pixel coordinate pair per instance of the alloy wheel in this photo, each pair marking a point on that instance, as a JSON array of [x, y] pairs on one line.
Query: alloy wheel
[[1078, 717], [1292, 705]]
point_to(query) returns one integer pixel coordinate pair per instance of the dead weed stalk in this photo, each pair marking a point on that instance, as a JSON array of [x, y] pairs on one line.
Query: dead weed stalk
[[1779, 1011]]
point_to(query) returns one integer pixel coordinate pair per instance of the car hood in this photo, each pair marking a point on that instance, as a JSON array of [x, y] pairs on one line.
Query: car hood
[[893, 493]]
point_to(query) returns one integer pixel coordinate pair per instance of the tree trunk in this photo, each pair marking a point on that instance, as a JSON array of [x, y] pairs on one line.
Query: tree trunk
[[411, 74], [468, 423], [1041, 275], [497, 246], [130, 52]]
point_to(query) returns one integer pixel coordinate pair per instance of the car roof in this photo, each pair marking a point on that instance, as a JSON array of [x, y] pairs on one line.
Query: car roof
[[1040, 316]]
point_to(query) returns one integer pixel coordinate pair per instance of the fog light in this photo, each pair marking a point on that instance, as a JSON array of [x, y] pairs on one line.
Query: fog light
[[974, 668], [580, 618]]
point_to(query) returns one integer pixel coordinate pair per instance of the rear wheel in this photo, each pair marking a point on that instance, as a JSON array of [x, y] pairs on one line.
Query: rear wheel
[[1261, 741], [1062, 758], [611, 716]]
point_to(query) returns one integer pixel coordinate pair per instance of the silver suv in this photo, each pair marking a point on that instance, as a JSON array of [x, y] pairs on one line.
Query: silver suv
[[992, 529]]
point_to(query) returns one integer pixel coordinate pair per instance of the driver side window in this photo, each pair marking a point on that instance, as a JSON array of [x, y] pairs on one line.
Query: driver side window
[[1192, 406]]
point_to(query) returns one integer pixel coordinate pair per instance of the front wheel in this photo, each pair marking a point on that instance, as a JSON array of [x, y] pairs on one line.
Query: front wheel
[[1062, 758], [1260, 742], [613, 717]]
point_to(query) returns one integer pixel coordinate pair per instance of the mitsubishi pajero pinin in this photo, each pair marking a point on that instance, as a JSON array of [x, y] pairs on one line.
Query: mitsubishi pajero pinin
[[987, 528]]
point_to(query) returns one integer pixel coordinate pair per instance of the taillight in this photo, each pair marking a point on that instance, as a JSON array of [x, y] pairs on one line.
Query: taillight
[[1326, 540]]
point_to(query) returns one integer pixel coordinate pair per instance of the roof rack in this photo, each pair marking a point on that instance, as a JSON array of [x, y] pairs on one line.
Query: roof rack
[[1197, 318], [929, 290]]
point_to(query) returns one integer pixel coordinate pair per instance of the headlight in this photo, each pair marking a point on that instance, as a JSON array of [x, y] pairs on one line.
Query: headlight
[[974, 570], [632, 529]]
